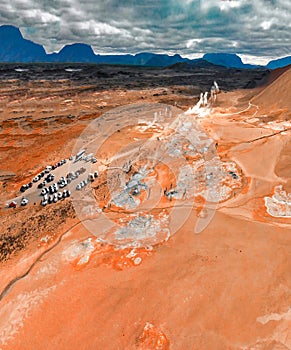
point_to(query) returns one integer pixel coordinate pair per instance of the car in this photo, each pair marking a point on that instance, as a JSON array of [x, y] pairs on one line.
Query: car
[[50, 199], [24, 201], [30, 184], [96, 174], [44, 191], [60, 195], [55, 199], [67, 193], [63, 184], [71, 175], [23, 188], [78, 187], [40, 185], [44, 203], [35, 179], [94, 160], [60, 180], [12, 204]]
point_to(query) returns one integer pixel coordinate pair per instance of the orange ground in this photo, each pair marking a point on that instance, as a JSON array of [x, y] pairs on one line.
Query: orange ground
[[225, 288]]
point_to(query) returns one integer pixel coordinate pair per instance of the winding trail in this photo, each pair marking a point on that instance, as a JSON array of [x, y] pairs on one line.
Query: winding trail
[[18, 278]]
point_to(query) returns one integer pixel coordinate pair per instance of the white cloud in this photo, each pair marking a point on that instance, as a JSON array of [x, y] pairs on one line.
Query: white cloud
[[192, 43], [254, 28], [266, 24]]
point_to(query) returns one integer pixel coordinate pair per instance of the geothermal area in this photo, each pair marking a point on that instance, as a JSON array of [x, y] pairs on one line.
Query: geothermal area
[[145, 208]]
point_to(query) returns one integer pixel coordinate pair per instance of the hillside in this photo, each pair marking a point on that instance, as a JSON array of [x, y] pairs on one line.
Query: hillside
[[276, 95]]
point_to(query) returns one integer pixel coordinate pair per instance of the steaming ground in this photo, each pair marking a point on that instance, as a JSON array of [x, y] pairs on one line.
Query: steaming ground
[[227, 287]]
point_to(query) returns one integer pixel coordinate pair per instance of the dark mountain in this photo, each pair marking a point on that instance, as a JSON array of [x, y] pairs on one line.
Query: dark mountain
[[227, 60], [73, 53], [281, 62], [194, 64], [165, 60], [84, 53], [115, 59], [14, 48]]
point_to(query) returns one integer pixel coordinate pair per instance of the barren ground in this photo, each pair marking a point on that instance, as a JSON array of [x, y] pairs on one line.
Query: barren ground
[[227, 287]]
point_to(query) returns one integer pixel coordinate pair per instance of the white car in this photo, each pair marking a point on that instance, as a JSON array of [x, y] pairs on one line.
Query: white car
[[24, 201], [44, 191]]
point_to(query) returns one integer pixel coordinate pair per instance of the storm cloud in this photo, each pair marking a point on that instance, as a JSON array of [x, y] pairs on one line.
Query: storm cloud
[[252, 28]]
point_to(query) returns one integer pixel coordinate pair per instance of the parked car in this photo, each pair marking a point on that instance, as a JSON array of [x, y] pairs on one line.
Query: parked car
[[23, 188], [24, 201], [44, 191], [35, 179], [12, 204]]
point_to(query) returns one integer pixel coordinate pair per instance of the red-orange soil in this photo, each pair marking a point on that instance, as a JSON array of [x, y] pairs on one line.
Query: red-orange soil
[[227, 288]]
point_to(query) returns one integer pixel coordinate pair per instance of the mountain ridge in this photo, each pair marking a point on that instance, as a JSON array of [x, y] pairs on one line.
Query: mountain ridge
[[14, 48]]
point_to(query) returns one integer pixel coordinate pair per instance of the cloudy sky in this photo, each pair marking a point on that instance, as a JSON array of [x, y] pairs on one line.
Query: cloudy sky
[[258, 30]]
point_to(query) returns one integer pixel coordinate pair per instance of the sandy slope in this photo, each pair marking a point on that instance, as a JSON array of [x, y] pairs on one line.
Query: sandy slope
[[277, 94]]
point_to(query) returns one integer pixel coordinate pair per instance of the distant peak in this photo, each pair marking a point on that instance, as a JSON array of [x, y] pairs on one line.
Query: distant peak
[[224, 59], [10, 31], [77, 46]]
